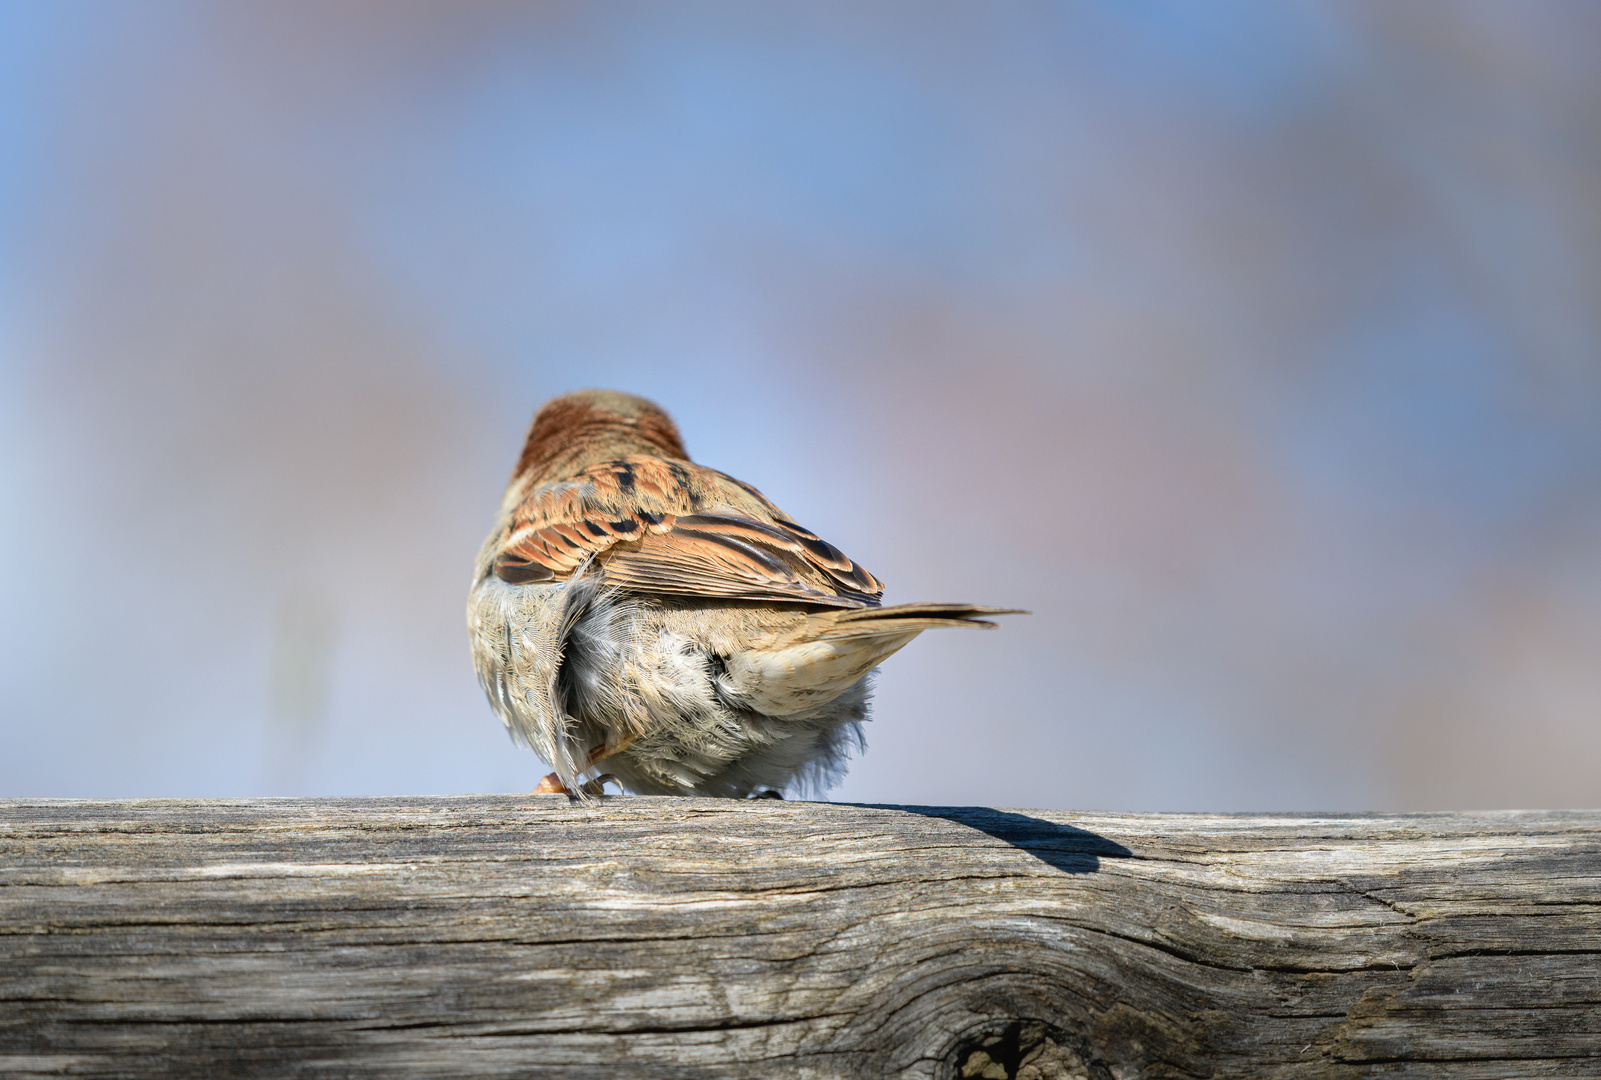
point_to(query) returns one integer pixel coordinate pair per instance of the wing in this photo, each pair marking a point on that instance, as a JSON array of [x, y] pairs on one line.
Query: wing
[[672, 528]]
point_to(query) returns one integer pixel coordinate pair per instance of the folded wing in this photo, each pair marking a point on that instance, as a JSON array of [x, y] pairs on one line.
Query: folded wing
[[676, 529]]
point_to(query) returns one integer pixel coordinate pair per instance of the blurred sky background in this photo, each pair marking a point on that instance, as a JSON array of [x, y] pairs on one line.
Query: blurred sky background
[[1255, 347]]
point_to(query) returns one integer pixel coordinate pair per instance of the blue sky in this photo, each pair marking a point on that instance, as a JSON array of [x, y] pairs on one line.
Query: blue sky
[[1252, 346]]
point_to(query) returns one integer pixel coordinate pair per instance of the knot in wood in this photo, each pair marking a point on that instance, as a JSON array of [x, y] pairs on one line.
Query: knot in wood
[[1021, 1050]]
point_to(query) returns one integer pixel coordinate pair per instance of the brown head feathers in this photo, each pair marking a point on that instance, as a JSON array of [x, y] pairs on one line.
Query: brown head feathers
[[590, 426]]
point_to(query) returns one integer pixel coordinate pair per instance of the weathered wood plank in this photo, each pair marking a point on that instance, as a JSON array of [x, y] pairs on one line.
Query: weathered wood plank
[[528, 936]]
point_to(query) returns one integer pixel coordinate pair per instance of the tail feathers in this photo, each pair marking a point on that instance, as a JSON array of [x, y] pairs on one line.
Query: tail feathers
[[833, 651], [910, 619]]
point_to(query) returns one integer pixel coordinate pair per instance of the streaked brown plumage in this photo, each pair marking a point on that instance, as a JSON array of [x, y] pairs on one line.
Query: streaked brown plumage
[[634, 607]]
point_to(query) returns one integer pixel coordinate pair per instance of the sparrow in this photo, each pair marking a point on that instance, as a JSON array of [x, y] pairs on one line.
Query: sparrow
[[634, 608]]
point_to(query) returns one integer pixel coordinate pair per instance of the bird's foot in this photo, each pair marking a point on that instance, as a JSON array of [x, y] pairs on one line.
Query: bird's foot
[[552, 785], [768, 794]]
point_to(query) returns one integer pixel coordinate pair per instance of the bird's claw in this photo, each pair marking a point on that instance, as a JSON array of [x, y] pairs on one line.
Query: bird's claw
[[552, 785], [597, 786]]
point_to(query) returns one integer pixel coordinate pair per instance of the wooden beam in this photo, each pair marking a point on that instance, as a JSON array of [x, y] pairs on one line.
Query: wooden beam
[[501, 936]]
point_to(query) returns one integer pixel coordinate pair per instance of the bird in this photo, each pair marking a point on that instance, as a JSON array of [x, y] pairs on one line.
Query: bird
[[633, 608]]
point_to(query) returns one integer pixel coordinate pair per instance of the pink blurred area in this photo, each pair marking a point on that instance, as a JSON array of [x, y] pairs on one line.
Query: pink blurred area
[[1254, 347]]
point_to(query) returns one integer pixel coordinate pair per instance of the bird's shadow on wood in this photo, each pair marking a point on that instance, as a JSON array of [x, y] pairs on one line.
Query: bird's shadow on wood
[[1068, 849]]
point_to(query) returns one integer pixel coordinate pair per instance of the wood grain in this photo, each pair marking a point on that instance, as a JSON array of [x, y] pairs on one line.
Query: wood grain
[[501, 936]]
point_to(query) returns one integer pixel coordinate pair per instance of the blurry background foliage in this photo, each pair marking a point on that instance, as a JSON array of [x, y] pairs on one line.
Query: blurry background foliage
[[1256, 347]]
